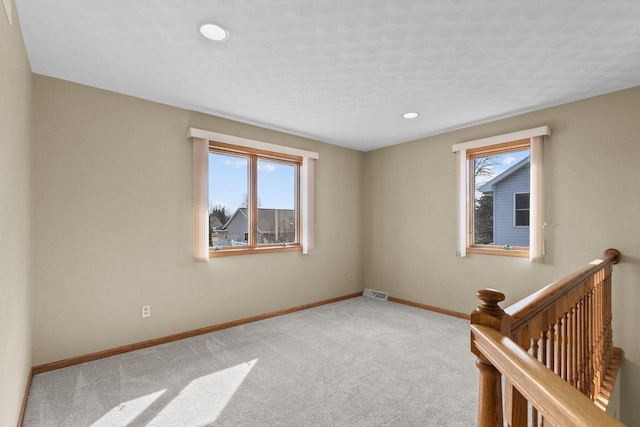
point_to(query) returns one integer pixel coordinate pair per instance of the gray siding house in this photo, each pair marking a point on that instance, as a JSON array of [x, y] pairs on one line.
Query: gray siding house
[[274, 226], [510, 205]]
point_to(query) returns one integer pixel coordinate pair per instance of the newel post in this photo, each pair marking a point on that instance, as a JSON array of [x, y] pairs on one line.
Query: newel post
[[489, 314], [615, 255]]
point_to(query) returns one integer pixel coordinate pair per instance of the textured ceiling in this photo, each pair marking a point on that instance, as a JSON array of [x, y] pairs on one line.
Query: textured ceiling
[[342, 71]]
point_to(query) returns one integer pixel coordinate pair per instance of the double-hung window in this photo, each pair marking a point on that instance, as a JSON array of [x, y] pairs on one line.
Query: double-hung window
[[251, 196], [254, 196], [499, 193]]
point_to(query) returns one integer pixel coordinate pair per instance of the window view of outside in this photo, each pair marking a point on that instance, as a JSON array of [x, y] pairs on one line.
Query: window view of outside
[[228, 189], [501, 199], [229, 195], [277, 190]]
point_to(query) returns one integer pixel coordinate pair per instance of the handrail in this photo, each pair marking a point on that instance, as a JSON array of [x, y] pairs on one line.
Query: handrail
[[566, 327], [555, 399], [527, 308]]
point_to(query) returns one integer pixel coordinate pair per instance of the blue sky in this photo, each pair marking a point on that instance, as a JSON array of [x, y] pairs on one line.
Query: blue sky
[[228, 180], [502, 163]]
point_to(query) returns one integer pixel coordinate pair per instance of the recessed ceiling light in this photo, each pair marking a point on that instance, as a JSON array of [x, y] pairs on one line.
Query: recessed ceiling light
[[410, 115], [213, 31]]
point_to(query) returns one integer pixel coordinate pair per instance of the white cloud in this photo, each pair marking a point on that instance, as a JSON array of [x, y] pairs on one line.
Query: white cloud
[[238, 163], [509, 160], [267, 167]]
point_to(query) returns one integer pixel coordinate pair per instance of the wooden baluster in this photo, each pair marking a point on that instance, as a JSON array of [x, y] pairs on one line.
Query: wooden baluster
[[581, 341], [574, 346], [608, 317], [570, 343], [590, 344], [551, 339], [517, 407], [558, 345], [607, 312], [587, 343], [551, 361], [598, 338], [605, 335], [563, 359], [585, 350], [544, 348], [535, 347], [578, 343], [543, 341], [490, 314]]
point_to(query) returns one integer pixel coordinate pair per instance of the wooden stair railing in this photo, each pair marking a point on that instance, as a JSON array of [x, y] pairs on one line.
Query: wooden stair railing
[[557, 402], [566, 326]]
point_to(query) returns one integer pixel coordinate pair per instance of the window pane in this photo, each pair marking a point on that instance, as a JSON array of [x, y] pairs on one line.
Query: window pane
[[228, 190], [497, 179], [522, 201], [277, 216], [522, 218]]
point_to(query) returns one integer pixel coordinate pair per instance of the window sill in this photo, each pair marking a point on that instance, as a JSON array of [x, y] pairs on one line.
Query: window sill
[[252, 251], [497, 250]]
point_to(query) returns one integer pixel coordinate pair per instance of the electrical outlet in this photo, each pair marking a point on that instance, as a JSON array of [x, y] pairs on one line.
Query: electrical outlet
[[350, 276], [146, 311]]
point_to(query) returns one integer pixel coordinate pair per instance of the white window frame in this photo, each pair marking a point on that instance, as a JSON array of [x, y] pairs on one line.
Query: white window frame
[[536, 237], [201, 140]]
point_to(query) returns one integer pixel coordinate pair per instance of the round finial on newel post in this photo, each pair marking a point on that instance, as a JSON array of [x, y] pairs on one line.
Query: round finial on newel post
[[489, 312], [490, 299], [617, 256]]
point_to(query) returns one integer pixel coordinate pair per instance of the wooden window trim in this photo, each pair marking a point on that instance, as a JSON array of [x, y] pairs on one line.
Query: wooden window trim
[[516, 251], [254, 155], [241, 250], [224, 147], [502, 148]]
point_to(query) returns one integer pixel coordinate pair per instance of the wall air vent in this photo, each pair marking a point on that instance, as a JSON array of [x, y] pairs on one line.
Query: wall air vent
[[375, 294]]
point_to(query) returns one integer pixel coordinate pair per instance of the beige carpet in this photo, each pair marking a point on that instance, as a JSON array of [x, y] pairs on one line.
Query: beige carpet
[[359, 362]]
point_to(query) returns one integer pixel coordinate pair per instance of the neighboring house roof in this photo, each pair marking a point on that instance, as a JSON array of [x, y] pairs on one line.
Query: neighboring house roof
[[266, 217], [488, 186], [214, 222], [239, 211]]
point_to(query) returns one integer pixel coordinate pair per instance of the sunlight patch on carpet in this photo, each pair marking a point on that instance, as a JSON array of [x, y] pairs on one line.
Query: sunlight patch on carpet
[[126, 412], [204, 399]]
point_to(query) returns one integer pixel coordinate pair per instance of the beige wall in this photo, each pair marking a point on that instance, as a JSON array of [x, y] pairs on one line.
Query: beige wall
[[113, 219], [593, 202], [15, 218]]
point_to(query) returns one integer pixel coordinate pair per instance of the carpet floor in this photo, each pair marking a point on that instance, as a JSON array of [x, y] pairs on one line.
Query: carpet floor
[[358, 362]]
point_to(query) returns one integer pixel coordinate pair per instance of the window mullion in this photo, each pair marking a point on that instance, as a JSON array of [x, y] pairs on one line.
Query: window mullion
[[253, 202], [471, 186], [298, 235]]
